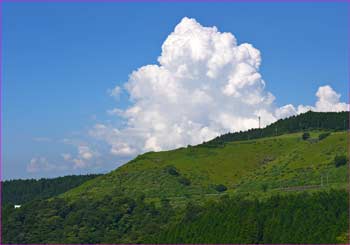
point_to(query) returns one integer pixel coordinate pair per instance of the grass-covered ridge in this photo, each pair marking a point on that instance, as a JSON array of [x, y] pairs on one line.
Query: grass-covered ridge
[[266, 164]]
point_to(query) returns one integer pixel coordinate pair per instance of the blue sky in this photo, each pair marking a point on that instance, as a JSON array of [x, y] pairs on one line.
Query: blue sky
[[60, 60]]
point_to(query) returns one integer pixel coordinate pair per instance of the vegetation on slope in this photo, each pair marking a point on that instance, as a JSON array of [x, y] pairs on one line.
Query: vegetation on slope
[[241, 166], [302, 218], [318, 218], [113, 219], [21, 191]]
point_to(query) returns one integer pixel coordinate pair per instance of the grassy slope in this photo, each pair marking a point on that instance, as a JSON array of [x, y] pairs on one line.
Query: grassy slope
[[243, 166]]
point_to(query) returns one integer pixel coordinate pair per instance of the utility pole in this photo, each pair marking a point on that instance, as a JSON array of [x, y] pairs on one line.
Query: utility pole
[[259, 122]]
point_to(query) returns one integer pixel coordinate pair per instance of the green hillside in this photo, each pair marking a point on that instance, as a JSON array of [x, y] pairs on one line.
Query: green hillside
[[275, 162], [253, 187]]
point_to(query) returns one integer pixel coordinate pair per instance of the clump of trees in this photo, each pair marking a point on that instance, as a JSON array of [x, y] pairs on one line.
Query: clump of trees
[[323, 135], [305, 136], [220, 188], [264, 187], [184, 181], [340, 160], [172, 170]]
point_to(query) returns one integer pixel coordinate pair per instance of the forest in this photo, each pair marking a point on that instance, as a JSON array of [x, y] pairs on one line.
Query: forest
[[21, 191], [297, 218]]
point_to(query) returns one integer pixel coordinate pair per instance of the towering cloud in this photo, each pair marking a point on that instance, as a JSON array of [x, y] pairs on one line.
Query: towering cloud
[[204, 85], [329, 100]]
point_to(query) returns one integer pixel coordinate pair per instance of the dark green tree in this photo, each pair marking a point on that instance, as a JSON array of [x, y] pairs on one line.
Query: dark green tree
[[305, 136]]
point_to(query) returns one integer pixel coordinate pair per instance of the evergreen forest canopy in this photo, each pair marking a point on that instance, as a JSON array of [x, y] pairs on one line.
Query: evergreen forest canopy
[[21, 191], [303, 218]]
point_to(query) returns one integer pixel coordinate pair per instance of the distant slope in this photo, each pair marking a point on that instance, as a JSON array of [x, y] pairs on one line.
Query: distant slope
[[21, 191], [334, 121]]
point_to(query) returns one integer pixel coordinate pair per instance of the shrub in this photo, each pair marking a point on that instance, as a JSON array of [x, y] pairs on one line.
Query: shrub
[[184, 181], [340, 160], [323, 136], [264, 187], [172, 170], [305, 136], [220, 188]]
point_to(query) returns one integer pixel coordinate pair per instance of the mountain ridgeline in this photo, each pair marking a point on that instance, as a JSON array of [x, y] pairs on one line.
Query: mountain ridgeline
[[333, 121], [286, 183]]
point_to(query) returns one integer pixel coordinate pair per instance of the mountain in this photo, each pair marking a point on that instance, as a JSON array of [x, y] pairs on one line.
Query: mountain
[[257, 186], [241, 165]]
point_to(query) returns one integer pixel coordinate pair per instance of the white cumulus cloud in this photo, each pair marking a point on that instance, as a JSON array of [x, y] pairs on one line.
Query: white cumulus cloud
[[66, 156], [115, 92], [328, 100], [41, 164], [84, 158], [205, 84]]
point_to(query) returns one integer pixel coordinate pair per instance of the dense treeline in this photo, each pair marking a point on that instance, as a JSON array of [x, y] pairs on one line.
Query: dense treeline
[[21, 191], [333, 121], [113, 219], [319, 218], [299, 218]]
